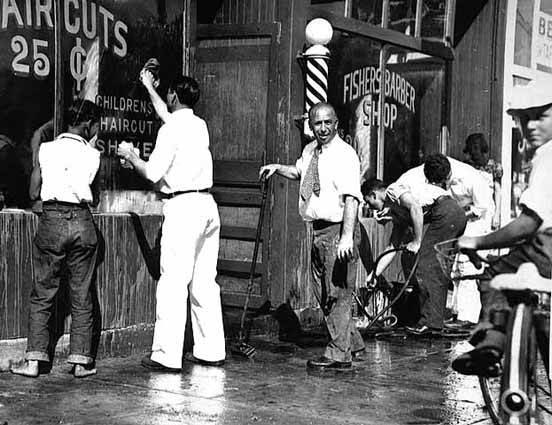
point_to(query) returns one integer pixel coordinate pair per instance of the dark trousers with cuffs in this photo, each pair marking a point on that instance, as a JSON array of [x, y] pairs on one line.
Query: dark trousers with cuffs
[[65, 234], [333, 284]]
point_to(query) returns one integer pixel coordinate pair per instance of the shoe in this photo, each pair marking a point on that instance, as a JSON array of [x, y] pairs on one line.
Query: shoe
[[460, 324], [191, 358], [359, 356], [479, 361], [150, 364], [419, 330], [326, 363]]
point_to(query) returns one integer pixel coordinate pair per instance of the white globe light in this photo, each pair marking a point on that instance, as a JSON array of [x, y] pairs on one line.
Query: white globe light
[[318, 31]]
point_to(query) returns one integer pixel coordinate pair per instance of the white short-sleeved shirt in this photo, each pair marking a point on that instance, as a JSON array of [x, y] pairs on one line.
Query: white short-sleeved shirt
[[537, 196], [181, 159], [415, 182], [339, 172], [468, 187], [68, 166]]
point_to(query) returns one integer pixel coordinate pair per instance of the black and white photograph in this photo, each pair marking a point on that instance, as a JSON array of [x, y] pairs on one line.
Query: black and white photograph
[[281, 212]]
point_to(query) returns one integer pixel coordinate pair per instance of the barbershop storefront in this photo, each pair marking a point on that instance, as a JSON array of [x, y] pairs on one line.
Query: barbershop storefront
[[54, 53], [396, 75]]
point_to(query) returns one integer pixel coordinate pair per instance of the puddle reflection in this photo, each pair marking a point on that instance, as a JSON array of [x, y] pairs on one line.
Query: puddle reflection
[[205, 385]]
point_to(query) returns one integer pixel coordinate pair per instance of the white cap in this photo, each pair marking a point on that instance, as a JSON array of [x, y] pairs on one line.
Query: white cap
[[532, 95]]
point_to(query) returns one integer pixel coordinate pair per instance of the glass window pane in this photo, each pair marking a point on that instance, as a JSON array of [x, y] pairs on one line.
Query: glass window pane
[[367, 11], [402, 16], [104, 44], [414, 90], [27, 97], [354, 92], [433, 19], [337, 7], [524, 31]]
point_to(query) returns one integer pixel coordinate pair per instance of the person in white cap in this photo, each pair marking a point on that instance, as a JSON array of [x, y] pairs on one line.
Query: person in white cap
[[530, 233]]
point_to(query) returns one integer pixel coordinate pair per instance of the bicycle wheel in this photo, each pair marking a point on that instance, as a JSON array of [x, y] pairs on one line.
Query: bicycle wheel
[[490, 388], [540, 378], [517, 401]]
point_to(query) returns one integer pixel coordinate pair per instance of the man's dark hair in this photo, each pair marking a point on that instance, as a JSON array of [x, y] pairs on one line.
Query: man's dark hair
[[476, 139], [82, 111], [436, 168], [372, 185], [187, 90]]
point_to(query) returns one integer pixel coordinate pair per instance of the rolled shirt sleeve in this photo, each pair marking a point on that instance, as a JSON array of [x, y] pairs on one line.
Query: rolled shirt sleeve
[[537, 195], [304, 158], [348, 180], [394, 192]]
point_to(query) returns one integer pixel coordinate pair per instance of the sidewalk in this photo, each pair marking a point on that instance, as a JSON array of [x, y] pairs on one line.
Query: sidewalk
[[407, 381]]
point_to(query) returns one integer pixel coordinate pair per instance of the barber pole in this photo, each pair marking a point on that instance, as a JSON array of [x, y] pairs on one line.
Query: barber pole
[[318, 33], [317, 58]]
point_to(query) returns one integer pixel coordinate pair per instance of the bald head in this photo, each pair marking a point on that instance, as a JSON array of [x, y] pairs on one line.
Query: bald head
[[321, 105], [323, 122]]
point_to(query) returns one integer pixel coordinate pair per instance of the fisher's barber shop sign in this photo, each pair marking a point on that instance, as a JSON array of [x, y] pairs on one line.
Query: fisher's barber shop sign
[[104, 44], [355, 85]]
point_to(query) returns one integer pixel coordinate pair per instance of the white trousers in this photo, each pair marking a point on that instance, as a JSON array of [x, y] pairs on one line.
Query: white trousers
[[189, 253], [468, 300]]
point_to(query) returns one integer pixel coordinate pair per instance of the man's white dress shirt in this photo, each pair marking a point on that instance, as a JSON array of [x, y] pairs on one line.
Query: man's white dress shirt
[[181, 159], [339, 172]]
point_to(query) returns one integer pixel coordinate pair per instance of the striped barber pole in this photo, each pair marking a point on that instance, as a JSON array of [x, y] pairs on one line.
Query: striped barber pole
[[317, 58]]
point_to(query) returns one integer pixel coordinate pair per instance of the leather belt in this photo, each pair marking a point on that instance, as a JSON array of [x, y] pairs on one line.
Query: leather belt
[[322, 224], [182, 192], [65, 205]]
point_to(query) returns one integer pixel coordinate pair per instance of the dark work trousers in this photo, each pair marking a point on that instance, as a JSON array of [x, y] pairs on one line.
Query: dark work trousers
[[66, 233], [537, 250], [333, 284], [446, 220]]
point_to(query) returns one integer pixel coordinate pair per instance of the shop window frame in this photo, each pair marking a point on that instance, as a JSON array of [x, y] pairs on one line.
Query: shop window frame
[[390, 38]]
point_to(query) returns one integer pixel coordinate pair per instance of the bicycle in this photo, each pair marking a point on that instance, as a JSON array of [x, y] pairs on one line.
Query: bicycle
[[516, 395]]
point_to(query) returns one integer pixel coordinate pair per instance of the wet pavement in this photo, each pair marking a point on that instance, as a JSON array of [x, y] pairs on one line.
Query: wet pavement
[[405, 381]]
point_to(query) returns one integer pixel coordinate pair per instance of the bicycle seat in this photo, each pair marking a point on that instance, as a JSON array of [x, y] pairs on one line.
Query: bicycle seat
[[526, 278]]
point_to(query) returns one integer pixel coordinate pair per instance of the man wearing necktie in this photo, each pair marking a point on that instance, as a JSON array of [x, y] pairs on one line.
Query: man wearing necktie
[[329, 171]]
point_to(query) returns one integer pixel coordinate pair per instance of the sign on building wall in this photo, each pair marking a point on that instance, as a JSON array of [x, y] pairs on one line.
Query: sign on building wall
[[542, 42], [355, 85], [104, 44]]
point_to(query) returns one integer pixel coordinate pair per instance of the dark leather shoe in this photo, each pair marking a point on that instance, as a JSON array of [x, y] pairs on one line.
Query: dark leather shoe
[[326, 363], [191, 358], [479, 361], [419, 330], [150, 364]]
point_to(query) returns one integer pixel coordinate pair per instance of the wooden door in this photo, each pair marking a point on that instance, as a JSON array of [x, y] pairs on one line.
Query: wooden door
[[236, 67]]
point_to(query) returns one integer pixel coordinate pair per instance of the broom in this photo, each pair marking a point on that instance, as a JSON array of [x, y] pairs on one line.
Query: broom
[[242, 347]]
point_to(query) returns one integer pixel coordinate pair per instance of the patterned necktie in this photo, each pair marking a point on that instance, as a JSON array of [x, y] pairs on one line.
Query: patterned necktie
[[311, 182]]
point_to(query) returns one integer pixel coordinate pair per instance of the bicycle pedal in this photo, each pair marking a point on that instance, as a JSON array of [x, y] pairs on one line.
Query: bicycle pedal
[[494, 371]]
